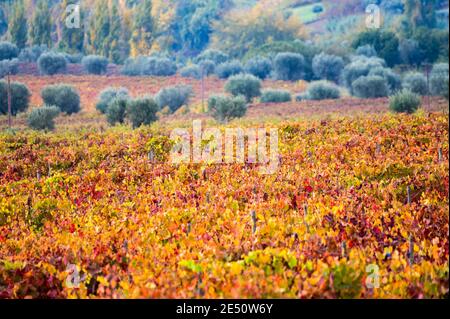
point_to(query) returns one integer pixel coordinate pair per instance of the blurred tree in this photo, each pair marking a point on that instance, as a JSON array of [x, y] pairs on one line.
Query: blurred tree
[[41, 25], [143, 29], [72, 35], [18, 27]]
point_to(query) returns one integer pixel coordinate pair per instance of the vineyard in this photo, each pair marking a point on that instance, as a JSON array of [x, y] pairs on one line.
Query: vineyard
[[357, 209]]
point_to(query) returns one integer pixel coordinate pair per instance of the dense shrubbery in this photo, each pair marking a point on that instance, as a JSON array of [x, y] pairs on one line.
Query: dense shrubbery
[[259, 67], [152, 66], [246, 85], [51, 63], [9, 67], [328, 67], [224, 108], [216, 56], [115, 112], [366, 50], [192, 71], [227, 69], [373, 86], [43, 118], [385, 43], [32, 54], [404, 101], [439, 80], [8, 51], [416, 83], [359, 66], [174, 97], [63, 96], [289, 66], [394, 81], [142, 111], [208, 67], [108, 95], [74, 58], [322, 90], [20, 97], [275, 96], [95, 64]]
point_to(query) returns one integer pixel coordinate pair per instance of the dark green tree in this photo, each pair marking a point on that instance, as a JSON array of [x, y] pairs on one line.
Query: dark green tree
[[41, 25], [18, 26]]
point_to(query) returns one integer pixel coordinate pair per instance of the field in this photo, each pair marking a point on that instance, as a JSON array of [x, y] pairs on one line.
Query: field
[[357, 209]]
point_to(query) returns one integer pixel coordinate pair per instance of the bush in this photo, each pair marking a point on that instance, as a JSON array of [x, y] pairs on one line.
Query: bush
[[32, 54], [74, 58], [366, 50], [218, 57], [95, 64], [404, 101], [386, 44], [20, 97], [416, 83], [63, 96], [259, 67], [276, 96], [142, 111], [394, 81], [8, 51], [323, 90], [439, 80], [227, 69], [224, 108], [317, 8], [246, 85], [174, 97], [289, 66], [193, 71], [359, 66], [43, 118], [152, 66], [328, 67], [115, 112], [51, 63], [208, 66], [409, 51], [373, 86], [108, 95], [9, 67]]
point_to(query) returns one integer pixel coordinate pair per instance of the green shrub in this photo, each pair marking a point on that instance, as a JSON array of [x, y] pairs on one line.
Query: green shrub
[[439, 80], [51, 63], [259, 67], [74, 58], [224, 108], [8, 51], [227, 69], [289, 66], [151, 66], [95, 64], [393, 80], [323, 90], [43, 118], [208, 67], [192, 71], [327, 67], [20, 97], [32, 54], [108, 95], [276, 96], [366, 50], [142, 111], [404, 101], [359, 66], [246, 85], [367, 87], [416, 82], [63, 96], [115, 112], [216, 56], [9, 67], [174, 97]]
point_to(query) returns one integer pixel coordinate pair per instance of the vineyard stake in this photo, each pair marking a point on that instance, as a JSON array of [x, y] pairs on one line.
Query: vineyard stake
[[305, 208], [344, 249], [151, 156], [411, 250], [440, 155], [253, 213], [9, 101], [408, 191]]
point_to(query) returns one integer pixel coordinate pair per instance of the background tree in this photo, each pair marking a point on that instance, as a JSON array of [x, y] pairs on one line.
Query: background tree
[[72, 39], [143, 29], [41, 25], [18, 27]]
